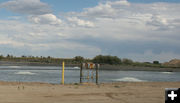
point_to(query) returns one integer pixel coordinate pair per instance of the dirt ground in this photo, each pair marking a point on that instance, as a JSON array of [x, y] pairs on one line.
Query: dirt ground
[[123, 92]]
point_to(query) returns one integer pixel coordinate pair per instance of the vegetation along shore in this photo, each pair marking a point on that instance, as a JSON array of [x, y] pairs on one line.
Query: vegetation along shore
[[107, 62]]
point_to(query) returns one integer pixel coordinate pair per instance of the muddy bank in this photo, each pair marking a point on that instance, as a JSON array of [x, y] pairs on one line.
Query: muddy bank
[[8, 63], [138, 68]]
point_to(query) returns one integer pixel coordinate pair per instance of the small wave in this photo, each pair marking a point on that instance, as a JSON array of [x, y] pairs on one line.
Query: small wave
[[129, 79], [25, 73], [14, 66], [167, 72], [76, 67]]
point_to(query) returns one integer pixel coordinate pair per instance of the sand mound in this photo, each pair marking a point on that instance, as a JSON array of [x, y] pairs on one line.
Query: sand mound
[[173, 62]]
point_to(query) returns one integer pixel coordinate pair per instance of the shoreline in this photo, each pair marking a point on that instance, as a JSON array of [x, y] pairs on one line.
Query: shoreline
[[31, 92], [139, 68], [102, 67], [84, 84]]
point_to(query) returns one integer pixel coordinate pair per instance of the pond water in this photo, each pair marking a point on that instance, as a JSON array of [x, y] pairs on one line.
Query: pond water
[[72, 75]]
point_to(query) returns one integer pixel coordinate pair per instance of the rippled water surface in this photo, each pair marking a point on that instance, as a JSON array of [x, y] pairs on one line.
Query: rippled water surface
[[72, 74]]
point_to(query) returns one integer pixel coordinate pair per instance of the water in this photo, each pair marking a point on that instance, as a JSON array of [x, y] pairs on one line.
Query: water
[[53, 75]]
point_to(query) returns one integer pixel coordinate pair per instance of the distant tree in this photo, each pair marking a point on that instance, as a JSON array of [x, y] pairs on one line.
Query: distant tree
[[127, 61], [107, 59], [49, 57], [1, 57], [79, 59], [147, 62], [8, 56], [155, 62], [23, 56]]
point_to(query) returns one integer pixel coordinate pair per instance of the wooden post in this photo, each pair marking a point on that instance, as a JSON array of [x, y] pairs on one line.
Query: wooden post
[[81, 72], [62, 73], [97, 68]]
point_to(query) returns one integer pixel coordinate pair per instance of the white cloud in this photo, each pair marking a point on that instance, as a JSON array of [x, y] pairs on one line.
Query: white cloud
[[99, 28], [40, 39], [79, 22], [45, 19], [102, 10], [14, 17], [135, 21], [33, 7], [120, 3], [8, 41]]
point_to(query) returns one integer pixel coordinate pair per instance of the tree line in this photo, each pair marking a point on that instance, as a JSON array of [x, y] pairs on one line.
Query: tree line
[[101, 59]]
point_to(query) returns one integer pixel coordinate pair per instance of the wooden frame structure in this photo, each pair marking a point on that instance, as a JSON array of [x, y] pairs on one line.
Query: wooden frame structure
[[90, 68]]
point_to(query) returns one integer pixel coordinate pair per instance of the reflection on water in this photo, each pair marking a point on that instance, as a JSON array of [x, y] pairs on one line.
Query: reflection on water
[[167, 72], [53, 75], [25, 73], [129, 79]]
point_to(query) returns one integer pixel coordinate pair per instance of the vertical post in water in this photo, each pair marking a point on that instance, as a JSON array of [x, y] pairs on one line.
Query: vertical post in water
[[81, 72], [62, 73], [97, 67]]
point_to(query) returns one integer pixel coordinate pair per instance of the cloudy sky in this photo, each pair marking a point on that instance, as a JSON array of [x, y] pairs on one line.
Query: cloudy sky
[[141, 30]]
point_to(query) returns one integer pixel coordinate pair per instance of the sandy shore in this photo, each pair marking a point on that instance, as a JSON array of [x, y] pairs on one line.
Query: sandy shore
[[123, 92]]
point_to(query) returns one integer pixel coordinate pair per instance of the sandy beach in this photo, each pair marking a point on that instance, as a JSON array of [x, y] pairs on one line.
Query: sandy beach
[[122, 92]]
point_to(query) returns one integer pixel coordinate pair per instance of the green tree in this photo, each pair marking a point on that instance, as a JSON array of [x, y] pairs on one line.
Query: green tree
[[8, 56], [127, 61], [107, 59], [155, 62], [1, 57], [79, 59]]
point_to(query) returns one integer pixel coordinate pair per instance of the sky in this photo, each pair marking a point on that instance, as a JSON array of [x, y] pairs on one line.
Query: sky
[[141, 30]]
